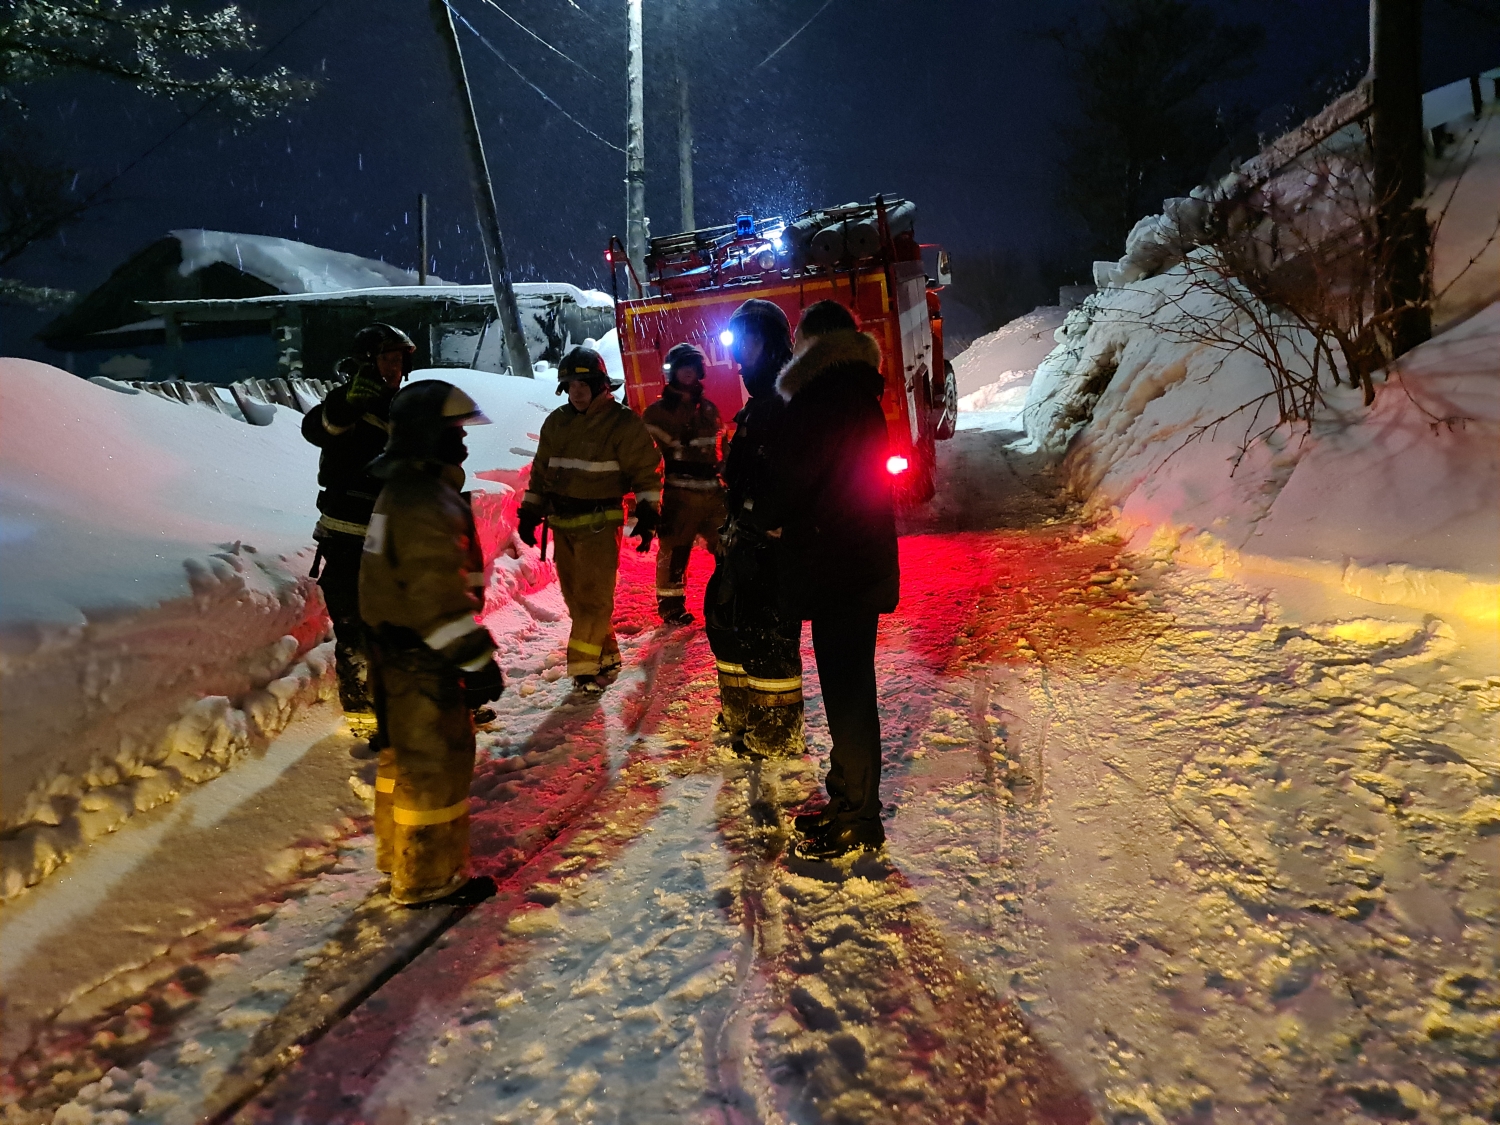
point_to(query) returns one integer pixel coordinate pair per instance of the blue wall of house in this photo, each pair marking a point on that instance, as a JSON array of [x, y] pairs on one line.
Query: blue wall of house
[[221, 361]]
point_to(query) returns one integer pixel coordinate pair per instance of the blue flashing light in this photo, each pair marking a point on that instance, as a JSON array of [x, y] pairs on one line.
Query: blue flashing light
[[726, 337], [744, 226]]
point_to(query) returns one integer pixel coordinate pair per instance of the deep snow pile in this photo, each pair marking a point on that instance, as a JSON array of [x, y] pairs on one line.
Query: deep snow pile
[[1020, 345], [995, 371], [1395, 503], [157, 620]]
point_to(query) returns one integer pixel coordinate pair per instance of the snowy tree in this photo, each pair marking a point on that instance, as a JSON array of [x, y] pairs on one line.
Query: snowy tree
[[157, 49], [1147, 128], [141, 46]]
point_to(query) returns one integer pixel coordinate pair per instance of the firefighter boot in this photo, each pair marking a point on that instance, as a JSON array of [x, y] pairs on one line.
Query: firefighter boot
[[674, 611], [773, 720], [734, 702], [775, 732], [385, 794]]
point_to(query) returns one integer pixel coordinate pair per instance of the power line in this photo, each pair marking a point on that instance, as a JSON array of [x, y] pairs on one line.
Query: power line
[[543, 93], [793, 35], [543, 42]]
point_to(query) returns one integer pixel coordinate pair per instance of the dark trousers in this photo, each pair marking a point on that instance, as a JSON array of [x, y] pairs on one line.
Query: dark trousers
[[844, 644], [339, 579]]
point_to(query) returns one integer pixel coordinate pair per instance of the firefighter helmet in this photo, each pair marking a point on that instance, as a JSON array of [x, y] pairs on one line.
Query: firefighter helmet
[[684, 355], [373, 340], [585, 363], [380, 337]]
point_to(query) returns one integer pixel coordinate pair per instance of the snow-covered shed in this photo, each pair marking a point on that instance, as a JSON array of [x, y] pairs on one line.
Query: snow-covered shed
[[452, 325], [111, 332], [219, 307]]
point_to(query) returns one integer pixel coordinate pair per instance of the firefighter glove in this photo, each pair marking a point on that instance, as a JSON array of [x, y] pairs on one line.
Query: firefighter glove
[[483, 686], [530, 520], [647, 518], [366, 388]]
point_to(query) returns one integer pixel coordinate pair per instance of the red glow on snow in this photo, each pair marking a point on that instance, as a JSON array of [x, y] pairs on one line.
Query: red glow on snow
[[896, 465]]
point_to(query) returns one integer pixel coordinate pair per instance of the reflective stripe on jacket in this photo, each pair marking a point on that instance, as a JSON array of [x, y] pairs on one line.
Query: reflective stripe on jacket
[[686, 430], [417, 578], [594, 457]]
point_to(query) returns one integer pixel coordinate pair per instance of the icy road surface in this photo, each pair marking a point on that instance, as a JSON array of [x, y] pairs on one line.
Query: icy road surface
[[1162, 849]]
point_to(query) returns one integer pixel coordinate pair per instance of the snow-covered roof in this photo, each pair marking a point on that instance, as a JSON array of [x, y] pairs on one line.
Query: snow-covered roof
[[300, 270], [528, 292], [291, 267]]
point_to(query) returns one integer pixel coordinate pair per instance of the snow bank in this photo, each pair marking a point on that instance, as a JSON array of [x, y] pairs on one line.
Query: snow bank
[[994, 373], [291, 267], [157, 620], [1020, 345], [1395, 503], [1391, 503]]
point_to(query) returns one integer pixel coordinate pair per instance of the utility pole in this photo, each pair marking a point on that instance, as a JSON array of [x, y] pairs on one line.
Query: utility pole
[[1405, 290], [422, 258], [635, 147], [684, 121], [484, 200]]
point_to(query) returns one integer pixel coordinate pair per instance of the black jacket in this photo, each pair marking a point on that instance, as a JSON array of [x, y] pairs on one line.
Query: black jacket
[[350, 439], [831, 494], [748, 478]]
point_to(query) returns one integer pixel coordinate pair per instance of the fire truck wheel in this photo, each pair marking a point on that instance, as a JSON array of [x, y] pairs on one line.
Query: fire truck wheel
[[947, 410], [923, 484]]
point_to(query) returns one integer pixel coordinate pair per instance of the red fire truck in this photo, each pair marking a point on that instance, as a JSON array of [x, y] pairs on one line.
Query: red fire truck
[[863, 255]]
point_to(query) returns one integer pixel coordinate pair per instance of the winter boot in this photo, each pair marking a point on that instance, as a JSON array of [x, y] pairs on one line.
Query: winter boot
[[674, 611], [841, 838], [589, 685], [810, 824]]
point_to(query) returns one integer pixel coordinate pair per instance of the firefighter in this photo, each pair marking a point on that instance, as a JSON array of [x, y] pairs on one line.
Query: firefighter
[[593, 450], [350, 427], [838, 567], [418, 596], [686, 427], [756, 648]]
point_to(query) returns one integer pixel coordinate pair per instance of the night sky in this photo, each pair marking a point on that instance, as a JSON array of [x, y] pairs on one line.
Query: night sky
[[954, 104]]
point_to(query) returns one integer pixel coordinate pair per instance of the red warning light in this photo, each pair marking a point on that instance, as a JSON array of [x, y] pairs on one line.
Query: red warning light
[[609, 255], [896, 465]]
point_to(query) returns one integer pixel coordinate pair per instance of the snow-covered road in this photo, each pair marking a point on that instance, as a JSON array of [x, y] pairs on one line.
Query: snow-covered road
[[1162, 848]]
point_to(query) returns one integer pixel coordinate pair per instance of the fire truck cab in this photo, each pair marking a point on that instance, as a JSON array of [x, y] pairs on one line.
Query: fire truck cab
[[863, 255]]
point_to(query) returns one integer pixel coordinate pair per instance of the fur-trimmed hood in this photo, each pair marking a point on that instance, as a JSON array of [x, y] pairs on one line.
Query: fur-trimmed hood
[[834, 349]]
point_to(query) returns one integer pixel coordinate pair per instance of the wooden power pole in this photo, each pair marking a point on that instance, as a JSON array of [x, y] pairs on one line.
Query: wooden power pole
[[422, 251], [1400, 180], [635, 146], [484, 200], [684, 120]]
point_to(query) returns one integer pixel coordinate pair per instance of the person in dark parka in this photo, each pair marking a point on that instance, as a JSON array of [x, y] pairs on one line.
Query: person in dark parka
[[837, 556]]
